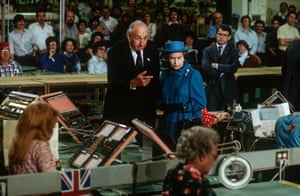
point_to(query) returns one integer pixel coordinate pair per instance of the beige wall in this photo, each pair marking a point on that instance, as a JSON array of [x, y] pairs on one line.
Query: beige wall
[[273, 6], [243, 7]]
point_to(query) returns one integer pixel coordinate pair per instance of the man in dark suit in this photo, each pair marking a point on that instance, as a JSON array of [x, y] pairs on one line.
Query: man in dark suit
[[219, 63], [133, 78], [291, 81]]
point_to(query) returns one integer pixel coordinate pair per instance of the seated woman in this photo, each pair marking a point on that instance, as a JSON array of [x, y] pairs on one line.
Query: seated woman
[[197, 151], [30, 151], [245, 58], [192, 54], [71, 59], [97, 63], [8, 67], [95, 37], [52, 60]]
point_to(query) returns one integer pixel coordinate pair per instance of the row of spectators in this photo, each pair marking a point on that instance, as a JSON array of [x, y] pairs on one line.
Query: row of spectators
[[28, 46]]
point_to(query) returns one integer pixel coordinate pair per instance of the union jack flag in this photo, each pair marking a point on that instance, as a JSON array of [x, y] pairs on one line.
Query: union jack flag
[[76, 182]]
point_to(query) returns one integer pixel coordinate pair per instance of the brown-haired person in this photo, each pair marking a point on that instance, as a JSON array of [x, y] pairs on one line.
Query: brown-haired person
[[245, 32], [21, 43], [197, 152], [245, 58], [282, 13], [41, 30], [273, 52], [52, 60], [173, 30], [30, 151], [286, 34], [218, 20]]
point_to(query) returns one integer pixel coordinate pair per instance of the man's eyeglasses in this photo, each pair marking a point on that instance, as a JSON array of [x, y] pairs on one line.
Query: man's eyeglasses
[[222, 34], [5, 50]]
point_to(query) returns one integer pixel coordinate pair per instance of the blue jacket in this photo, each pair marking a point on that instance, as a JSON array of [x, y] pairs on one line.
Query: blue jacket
[[184, 86], [55, 64], [71, 61]]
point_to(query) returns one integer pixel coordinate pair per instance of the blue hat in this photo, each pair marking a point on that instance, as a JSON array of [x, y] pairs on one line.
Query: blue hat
[[174, 46], [235, 16]]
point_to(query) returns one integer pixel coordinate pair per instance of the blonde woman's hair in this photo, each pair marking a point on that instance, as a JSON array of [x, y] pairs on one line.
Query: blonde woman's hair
[[35, 123]]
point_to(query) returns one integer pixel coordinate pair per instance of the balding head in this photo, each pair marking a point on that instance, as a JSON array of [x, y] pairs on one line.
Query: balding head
[[137, 35]]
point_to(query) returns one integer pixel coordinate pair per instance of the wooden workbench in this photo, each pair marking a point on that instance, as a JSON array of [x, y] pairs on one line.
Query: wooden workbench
[[46, 82], [64, 80], [94, 79], [254, 84], [258, 71]]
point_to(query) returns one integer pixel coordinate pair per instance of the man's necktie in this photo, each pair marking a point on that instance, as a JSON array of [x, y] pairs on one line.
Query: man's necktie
[[220, 52], [139, 62]]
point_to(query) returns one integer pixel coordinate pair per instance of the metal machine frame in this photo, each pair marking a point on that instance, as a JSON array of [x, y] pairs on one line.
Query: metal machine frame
[[148, 172]]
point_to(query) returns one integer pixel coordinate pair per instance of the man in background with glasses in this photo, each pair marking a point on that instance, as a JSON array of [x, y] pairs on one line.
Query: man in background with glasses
[[218, 20], [219, 63]]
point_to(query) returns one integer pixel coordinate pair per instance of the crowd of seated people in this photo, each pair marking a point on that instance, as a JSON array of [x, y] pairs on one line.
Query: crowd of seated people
[[165, 23]]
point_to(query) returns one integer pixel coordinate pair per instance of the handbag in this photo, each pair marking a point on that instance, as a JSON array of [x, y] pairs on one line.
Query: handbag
[[186, 124], [208, 120]]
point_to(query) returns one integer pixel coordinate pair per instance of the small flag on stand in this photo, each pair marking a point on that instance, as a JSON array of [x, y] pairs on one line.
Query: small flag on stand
[[76, 182]]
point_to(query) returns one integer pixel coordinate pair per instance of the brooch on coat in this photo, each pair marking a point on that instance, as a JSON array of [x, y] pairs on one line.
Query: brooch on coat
[[187, 71]]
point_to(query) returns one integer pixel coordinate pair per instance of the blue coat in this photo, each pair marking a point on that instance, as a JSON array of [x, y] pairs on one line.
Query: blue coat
[[55, 64], [71, 61], [184, 86]]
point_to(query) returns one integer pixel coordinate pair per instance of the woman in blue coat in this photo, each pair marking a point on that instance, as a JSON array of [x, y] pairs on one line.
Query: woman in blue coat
[[71, 59], [183, 95], [52, 60]]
